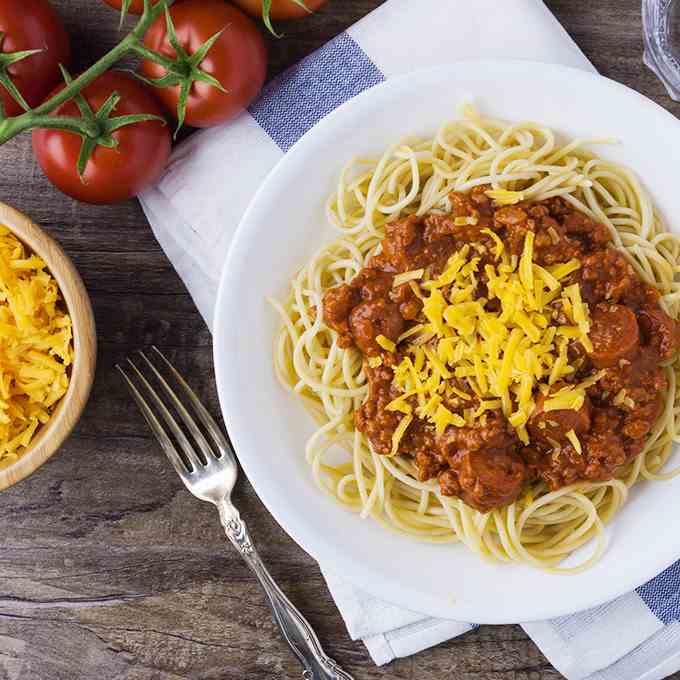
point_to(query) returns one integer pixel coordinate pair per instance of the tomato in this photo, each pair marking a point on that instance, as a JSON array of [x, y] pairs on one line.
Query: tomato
[[111, 174], [32, 25], [135, 7], [237, 60], [280, 9]]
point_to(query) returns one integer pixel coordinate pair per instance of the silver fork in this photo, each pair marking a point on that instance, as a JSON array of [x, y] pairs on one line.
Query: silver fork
[[212, 478]]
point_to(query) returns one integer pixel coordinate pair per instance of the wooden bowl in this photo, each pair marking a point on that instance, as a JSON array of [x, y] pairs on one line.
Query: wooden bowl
[[65, 416]]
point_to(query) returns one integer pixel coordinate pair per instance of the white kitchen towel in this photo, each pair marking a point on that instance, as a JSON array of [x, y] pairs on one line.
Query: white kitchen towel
[[194, 211], [196, 207]]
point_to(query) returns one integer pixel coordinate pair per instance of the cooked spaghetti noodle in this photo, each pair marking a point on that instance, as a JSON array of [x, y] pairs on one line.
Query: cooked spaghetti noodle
[[542, 527]]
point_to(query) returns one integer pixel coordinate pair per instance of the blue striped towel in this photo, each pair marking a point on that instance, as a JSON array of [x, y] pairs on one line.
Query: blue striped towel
[[197, 204]]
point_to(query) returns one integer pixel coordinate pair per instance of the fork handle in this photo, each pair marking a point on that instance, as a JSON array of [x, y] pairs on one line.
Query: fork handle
[[296, 630]]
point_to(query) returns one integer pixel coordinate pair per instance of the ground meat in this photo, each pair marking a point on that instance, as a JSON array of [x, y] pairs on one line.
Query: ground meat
[[475, 207], [409, 303], [642, 383], [510, 216], [475, 210], [359, 311], [338, 303], [552, 245], [372, 283], [402, 247], [448, 483], [515, 223], [642, 372], [561, 234], [603, 446], [420, 441], [370, 319], [439, 226], [606, 276], [372, 418], [592, 234], [408, 245], [603, 452], [555, 468], [495, 434], [660, 331], [640, 419], [428, 464]]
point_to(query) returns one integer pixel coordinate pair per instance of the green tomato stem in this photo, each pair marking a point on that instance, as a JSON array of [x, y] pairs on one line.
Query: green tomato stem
[[79, 126], [156, 57], [39, 116]]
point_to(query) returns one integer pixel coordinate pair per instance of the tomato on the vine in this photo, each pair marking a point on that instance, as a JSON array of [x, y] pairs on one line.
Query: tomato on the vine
[[124, 157], [224, 81], [27, 25], [280, 9]]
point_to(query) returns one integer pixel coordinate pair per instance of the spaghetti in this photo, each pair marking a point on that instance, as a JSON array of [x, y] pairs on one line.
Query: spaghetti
[[510, 163]]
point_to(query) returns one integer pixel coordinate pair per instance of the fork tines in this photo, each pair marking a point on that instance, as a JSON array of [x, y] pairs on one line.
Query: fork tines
[[196, 451]]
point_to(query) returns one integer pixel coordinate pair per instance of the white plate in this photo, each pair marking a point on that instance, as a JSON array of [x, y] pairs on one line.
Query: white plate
[[285, 224]]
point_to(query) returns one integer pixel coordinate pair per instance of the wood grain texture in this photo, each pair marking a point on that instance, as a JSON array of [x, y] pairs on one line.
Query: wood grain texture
[[106, 574], [69, 409]]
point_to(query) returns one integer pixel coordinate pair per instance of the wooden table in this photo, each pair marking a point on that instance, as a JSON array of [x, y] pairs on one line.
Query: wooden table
[[108, 574]]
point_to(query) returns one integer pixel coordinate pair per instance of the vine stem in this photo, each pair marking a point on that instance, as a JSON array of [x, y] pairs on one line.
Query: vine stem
[[146, 53], [39, 116]]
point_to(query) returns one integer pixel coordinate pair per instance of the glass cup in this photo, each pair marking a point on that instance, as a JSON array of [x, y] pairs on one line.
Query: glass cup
[[661, 31]]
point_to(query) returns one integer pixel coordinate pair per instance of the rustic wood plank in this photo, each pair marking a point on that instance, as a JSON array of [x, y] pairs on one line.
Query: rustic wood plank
[[108, 568]]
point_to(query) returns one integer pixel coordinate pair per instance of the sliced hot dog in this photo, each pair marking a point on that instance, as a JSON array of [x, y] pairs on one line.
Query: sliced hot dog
[[614, 333], [554, 425]]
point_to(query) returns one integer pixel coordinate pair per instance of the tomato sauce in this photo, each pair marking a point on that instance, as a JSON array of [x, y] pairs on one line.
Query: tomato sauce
[[486, 464]]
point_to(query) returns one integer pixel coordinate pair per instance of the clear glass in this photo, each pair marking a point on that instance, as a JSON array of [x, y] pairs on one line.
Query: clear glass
[[661, 30]]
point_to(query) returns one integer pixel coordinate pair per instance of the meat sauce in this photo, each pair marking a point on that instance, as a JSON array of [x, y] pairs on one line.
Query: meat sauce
[[485, 464]]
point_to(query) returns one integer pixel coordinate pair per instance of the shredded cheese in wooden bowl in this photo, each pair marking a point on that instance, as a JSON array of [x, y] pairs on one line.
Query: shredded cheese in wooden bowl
[[36, 346]]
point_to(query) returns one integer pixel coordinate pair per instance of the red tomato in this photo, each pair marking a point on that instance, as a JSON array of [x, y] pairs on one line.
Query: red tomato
[[281, 9], [237, 59], [32, 25], [136, 6], [111, 174]]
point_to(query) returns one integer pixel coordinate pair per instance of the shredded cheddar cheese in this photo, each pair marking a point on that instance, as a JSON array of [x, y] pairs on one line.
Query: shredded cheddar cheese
[[506, 352], [573, 438], [566, 399], [387, 344], [399, 433], [36, 346], [499, 245]]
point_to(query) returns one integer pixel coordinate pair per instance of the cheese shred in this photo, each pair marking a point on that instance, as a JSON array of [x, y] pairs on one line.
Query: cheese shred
[[387, 344], [504, 352], [36, 347], [399, 433], [573, 438]]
